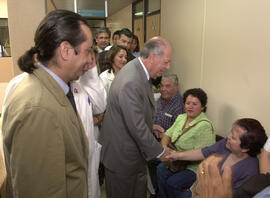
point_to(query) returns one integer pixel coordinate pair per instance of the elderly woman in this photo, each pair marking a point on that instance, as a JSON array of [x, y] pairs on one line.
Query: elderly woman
[[239, 150], [115, 59], [191, 130]]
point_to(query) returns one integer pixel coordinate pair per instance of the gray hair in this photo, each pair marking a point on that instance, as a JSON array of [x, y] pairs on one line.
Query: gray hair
[[103, 30], [155, 46], [173, 77]]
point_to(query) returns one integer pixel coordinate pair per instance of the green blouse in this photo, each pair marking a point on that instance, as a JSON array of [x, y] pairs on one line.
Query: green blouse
[[197, 137]]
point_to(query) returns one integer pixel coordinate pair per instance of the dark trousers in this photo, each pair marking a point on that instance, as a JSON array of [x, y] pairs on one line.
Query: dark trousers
[[125, 186], [101, 174], [171, 184], [152, 167]]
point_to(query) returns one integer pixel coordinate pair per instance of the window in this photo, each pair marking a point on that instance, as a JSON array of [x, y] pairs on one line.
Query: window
[[4, 38]]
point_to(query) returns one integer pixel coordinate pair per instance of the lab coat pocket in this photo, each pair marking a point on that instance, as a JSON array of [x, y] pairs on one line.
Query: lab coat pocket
[[97, 148]]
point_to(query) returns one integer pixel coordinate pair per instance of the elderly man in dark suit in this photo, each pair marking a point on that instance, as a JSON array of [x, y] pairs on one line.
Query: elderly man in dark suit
[[45, 146], [126, 133]]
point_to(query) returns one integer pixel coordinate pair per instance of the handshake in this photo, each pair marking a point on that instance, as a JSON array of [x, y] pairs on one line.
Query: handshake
[[168, 155]]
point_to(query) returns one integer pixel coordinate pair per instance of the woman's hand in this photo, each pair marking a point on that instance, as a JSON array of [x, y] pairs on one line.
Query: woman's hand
[[97, 119], [211, 183], [167, 152], [174, 155]]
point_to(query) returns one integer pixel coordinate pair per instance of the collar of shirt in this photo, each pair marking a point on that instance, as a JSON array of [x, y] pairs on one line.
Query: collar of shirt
[[108, 75], [61, 83], [108, 48], [170, 101], [144, 68], [99, 49]]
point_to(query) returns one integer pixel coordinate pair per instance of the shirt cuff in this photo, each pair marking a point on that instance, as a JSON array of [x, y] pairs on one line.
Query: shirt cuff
[[161, 153]]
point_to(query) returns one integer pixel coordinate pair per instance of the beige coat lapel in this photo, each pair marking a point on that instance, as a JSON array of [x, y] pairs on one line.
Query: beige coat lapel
[[60, 96]]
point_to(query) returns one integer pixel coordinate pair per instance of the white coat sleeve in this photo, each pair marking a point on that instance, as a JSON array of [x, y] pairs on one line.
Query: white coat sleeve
[[93, 86]]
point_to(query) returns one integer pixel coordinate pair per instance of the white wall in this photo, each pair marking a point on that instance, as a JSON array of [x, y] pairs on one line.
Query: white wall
[[223, 47], [22, 22], [120, 19], [23, 19]]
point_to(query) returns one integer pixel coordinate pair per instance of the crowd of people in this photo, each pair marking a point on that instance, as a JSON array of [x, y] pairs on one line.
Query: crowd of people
[[83, 111]]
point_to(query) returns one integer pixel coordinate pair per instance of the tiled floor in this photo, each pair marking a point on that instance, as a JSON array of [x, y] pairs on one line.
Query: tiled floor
[[103, 193]]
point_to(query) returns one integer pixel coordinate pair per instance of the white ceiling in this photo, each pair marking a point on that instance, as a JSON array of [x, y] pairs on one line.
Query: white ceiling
[[113, 5]]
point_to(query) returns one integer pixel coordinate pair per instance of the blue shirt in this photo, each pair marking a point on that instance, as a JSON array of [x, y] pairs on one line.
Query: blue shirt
[[61, 83], [166, 115]]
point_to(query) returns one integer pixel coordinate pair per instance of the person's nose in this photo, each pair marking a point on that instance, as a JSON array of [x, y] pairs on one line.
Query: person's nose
[[168, 66], [189, 106]]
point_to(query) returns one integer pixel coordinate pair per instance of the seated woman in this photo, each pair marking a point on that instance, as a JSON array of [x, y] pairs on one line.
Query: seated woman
[[115, 59], [260, 181], [196, 132], [239, 150]]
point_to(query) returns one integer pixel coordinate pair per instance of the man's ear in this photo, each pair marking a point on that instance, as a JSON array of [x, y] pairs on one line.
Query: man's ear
[[176, 88], [65, 50], [152, 57]]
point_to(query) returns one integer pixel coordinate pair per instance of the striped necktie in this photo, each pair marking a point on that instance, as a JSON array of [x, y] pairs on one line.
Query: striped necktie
[[71, 99]]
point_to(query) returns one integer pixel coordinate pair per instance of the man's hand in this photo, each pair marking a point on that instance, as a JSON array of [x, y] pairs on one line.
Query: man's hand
[[158, 130], [97, 119], [210, 182]]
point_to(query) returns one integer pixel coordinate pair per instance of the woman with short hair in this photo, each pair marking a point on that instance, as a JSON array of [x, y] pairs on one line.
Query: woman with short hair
[[191, 130], [239, 151]]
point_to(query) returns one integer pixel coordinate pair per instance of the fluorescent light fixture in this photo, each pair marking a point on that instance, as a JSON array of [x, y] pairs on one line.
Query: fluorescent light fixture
[[75, 6], [139, 14], [106, 8]]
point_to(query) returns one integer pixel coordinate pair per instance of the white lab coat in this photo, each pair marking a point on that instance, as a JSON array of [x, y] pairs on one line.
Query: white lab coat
[[107, 78], [9, 90], [90, 99]]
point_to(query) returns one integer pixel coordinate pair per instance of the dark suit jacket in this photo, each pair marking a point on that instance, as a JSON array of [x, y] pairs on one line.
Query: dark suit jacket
[[126, 133], [45, 145]]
